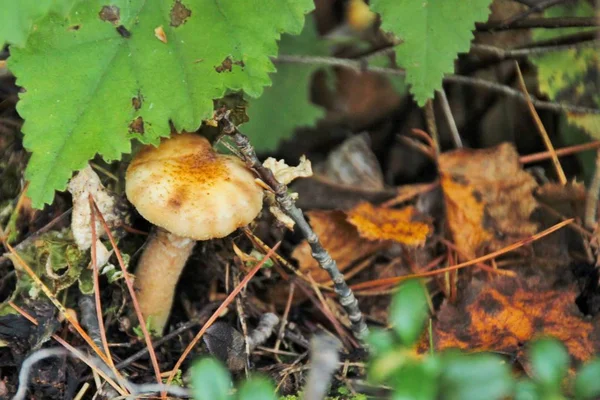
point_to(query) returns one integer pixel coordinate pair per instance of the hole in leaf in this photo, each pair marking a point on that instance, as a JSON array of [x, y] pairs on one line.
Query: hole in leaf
[[228, 64], [179, 14], [110, 14], [137, 125]]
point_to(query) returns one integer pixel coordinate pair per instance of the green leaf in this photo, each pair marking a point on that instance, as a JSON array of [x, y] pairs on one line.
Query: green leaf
[[474, 377], [286, 104], [408, 311], [550, 362], [569, 75], [100, 77], [416, 380], [257, 388], [526, 390], [434, 32], [380, 341], [18, 17], [587, 382], [210, 380]]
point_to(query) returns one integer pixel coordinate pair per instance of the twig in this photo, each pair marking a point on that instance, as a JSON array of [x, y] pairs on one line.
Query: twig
[[359, 66], [23, 382], [503, 54], [287, 204], [451, 123], [131, 290], [135, 389], [591, 200], [547, 23], [284, 319], [541, 129], [541, 6], [431, 126], [242, 319], [95, 274], [565, 151], [489, 256]]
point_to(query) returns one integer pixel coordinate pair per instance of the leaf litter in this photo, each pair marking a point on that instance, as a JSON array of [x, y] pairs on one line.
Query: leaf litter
[[379, 228]]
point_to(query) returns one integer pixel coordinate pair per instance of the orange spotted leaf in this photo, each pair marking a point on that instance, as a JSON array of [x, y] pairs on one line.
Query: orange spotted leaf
[[379, 223]]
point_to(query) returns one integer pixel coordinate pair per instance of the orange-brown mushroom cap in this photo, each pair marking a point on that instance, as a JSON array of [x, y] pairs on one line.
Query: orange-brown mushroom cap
[[187, 188]]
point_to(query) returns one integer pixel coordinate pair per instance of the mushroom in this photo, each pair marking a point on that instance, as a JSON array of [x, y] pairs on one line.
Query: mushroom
[[190, 193]]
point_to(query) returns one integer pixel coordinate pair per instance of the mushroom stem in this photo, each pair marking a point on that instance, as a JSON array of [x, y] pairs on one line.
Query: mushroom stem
[[157, 275]]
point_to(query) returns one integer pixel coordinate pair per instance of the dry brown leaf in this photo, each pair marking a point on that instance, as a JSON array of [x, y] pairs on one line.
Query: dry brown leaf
[[507, 314], [488, 198], [379, 223], [339, 238]]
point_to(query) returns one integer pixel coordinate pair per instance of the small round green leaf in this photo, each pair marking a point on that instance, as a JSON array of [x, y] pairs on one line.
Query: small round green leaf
[[408, 311], [257, 388], [550, 362], [474, 377], [416, 381], [210, 380], [587, 382]]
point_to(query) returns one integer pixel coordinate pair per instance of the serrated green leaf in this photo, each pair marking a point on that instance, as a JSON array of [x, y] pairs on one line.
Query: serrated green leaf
[[474, 377], [286, 104], [570, 75], [408, 311], [18, 17], [550, 362], [434, 32], [101, 77], [587, 382], [257, 388], [210, 380]]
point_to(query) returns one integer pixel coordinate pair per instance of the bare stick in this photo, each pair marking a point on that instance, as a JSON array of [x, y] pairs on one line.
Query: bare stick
[[287, 204], [357, 65], [591, 200], [451, 123], [541, 6], [546, 23]]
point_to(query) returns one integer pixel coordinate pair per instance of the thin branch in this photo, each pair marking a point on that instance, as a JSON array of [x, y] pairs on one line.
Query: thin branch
[[541, 129], [546, 23], [591, 200], [287, 204], [541, 6], [359, 66], [450, 119], [503, 54], [565, 151], [130, 288]]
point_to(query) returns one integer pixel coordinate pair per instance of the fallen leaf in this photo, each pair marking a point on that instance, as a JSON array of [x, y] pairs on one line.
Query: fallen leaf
[[379, 223], [507, 314], [488, 198], [340, 239]]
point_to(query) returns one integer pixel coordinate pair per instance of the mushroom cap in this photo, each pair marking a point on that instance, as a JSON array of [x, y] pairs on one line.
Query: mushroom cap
[[187, 188]]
